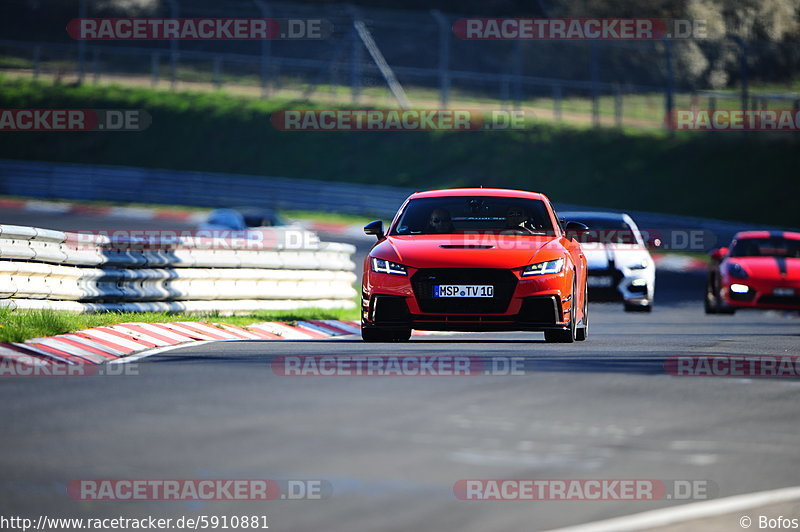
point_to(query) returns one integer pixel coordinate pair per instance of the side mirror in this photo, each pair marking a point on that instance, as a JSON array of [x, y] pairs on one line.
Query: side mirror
[[719, 253], [375, 228], [575, 229]]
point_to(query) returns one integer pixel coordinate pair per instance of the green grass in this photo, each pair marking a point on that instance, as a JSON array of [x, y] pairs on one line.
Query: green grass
[[640, 110], [15, 62], [21, 325], [699, 255], [330, 217]]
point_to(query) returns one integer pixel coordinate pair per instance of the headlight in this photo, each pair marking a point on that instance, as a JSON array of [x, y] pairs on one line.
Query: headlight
[[544, 268], [641, 265], [385, 266], [736, 270]]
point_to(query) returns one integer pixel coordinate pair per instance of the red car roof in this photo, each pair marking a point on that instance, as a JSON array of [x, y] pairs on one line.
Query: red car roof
[[742, 235], [502, 192]]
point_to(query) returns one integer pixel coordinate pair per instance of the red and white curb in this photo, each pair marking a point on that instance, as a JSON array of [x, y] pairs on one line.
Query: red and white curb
[[164, 214], [134, 340], [679, 263]]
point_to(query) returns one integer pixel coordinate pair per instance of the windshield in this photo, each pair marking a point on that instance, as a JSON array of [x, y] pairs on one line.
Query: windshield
[[766, 247], [606, 231], [467, 214]]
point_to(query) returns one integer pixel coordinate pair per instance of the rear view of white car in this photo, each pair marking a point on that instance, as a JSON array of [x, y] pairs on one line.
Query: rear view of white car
[[620, 266]]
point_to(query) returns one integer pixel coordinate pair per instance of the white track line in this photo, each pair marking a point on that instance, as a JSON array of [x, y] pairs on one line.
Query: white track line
[[687, 512], [159, 350]]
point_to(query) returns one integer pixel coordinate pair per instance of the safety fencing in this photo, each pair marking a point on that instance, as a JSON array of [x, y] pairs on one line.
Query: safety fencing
[[193, 272]]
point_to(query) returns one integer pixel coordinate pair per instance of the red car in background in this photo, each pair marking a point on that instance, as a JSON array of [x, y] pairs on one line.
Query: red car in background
[[760, 269], [475, 259]]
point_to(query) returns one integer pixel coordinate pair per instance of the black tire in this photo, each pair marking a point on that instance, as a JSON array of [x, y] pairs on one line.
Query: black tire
[[709, 305], [564, 336], [582, 333], [376, 334], [713, 302]]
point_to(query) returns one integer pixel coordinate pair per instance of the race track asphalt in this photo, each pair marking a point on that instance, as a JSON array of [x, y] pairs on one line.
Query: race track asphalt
[[392, 448]]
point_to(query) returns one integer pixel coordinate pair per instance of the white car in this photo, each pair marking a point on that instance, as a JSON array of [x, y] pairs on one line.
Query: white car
[[620, 266]]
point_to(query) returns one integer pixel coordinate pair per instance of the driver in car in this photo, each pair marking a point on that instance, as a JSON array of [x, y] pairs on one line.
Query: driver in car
[[516, 218], [440, 222]]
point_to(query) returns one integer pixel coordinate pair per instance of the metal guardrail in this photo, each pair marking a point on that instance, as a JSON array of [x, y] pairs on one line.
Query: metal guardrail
[[142, 185], [253, 270], [124, 184]]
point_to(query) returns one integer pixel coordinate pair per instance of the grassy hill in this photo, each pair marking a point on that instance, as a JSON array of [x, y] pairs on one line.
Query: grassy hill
[[737, 176]]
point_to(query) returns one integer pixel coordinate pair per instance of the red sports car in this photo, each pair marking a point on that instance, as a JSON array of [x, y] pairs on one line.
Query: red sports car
[[761, 269], [475, 259]]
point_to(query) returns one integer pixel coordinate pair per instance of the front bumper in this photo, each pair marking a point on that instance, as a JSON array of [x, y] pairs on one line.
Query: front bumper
[[533, 304], [762, 294], [631, 286]]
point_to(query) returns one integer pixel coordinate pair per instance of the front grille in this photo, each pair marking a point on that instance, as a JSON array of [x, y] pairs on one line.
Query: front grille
[[504, 283], [640, 289], [779, 300], [463, 318], [606, 293]]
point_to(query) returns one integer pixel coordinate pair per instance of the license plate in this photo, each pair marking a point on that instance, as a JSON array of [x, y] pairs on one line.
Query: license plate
[[783, 291], [599, 282], [463, 290]]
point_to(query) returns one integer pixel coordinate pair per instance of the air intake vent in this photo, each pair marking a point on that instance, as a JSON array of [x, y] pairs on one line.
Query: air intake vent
[[466, 246]]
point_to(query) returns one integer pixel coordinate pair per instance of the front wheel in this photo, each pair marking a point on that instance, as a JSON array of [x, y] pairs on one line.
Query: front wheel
[[713, 303], [583, 332]]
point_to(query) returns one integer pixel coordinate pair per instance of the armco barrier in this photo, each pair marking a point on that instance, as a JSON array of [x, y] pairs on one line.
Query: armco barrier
[[122, 184], [269, 269]]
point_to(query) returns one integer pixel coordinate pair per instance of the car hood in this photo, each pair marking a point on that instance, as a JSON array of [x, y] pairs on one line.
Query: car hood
[[769, 268], [468, 251], [599, 256]]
